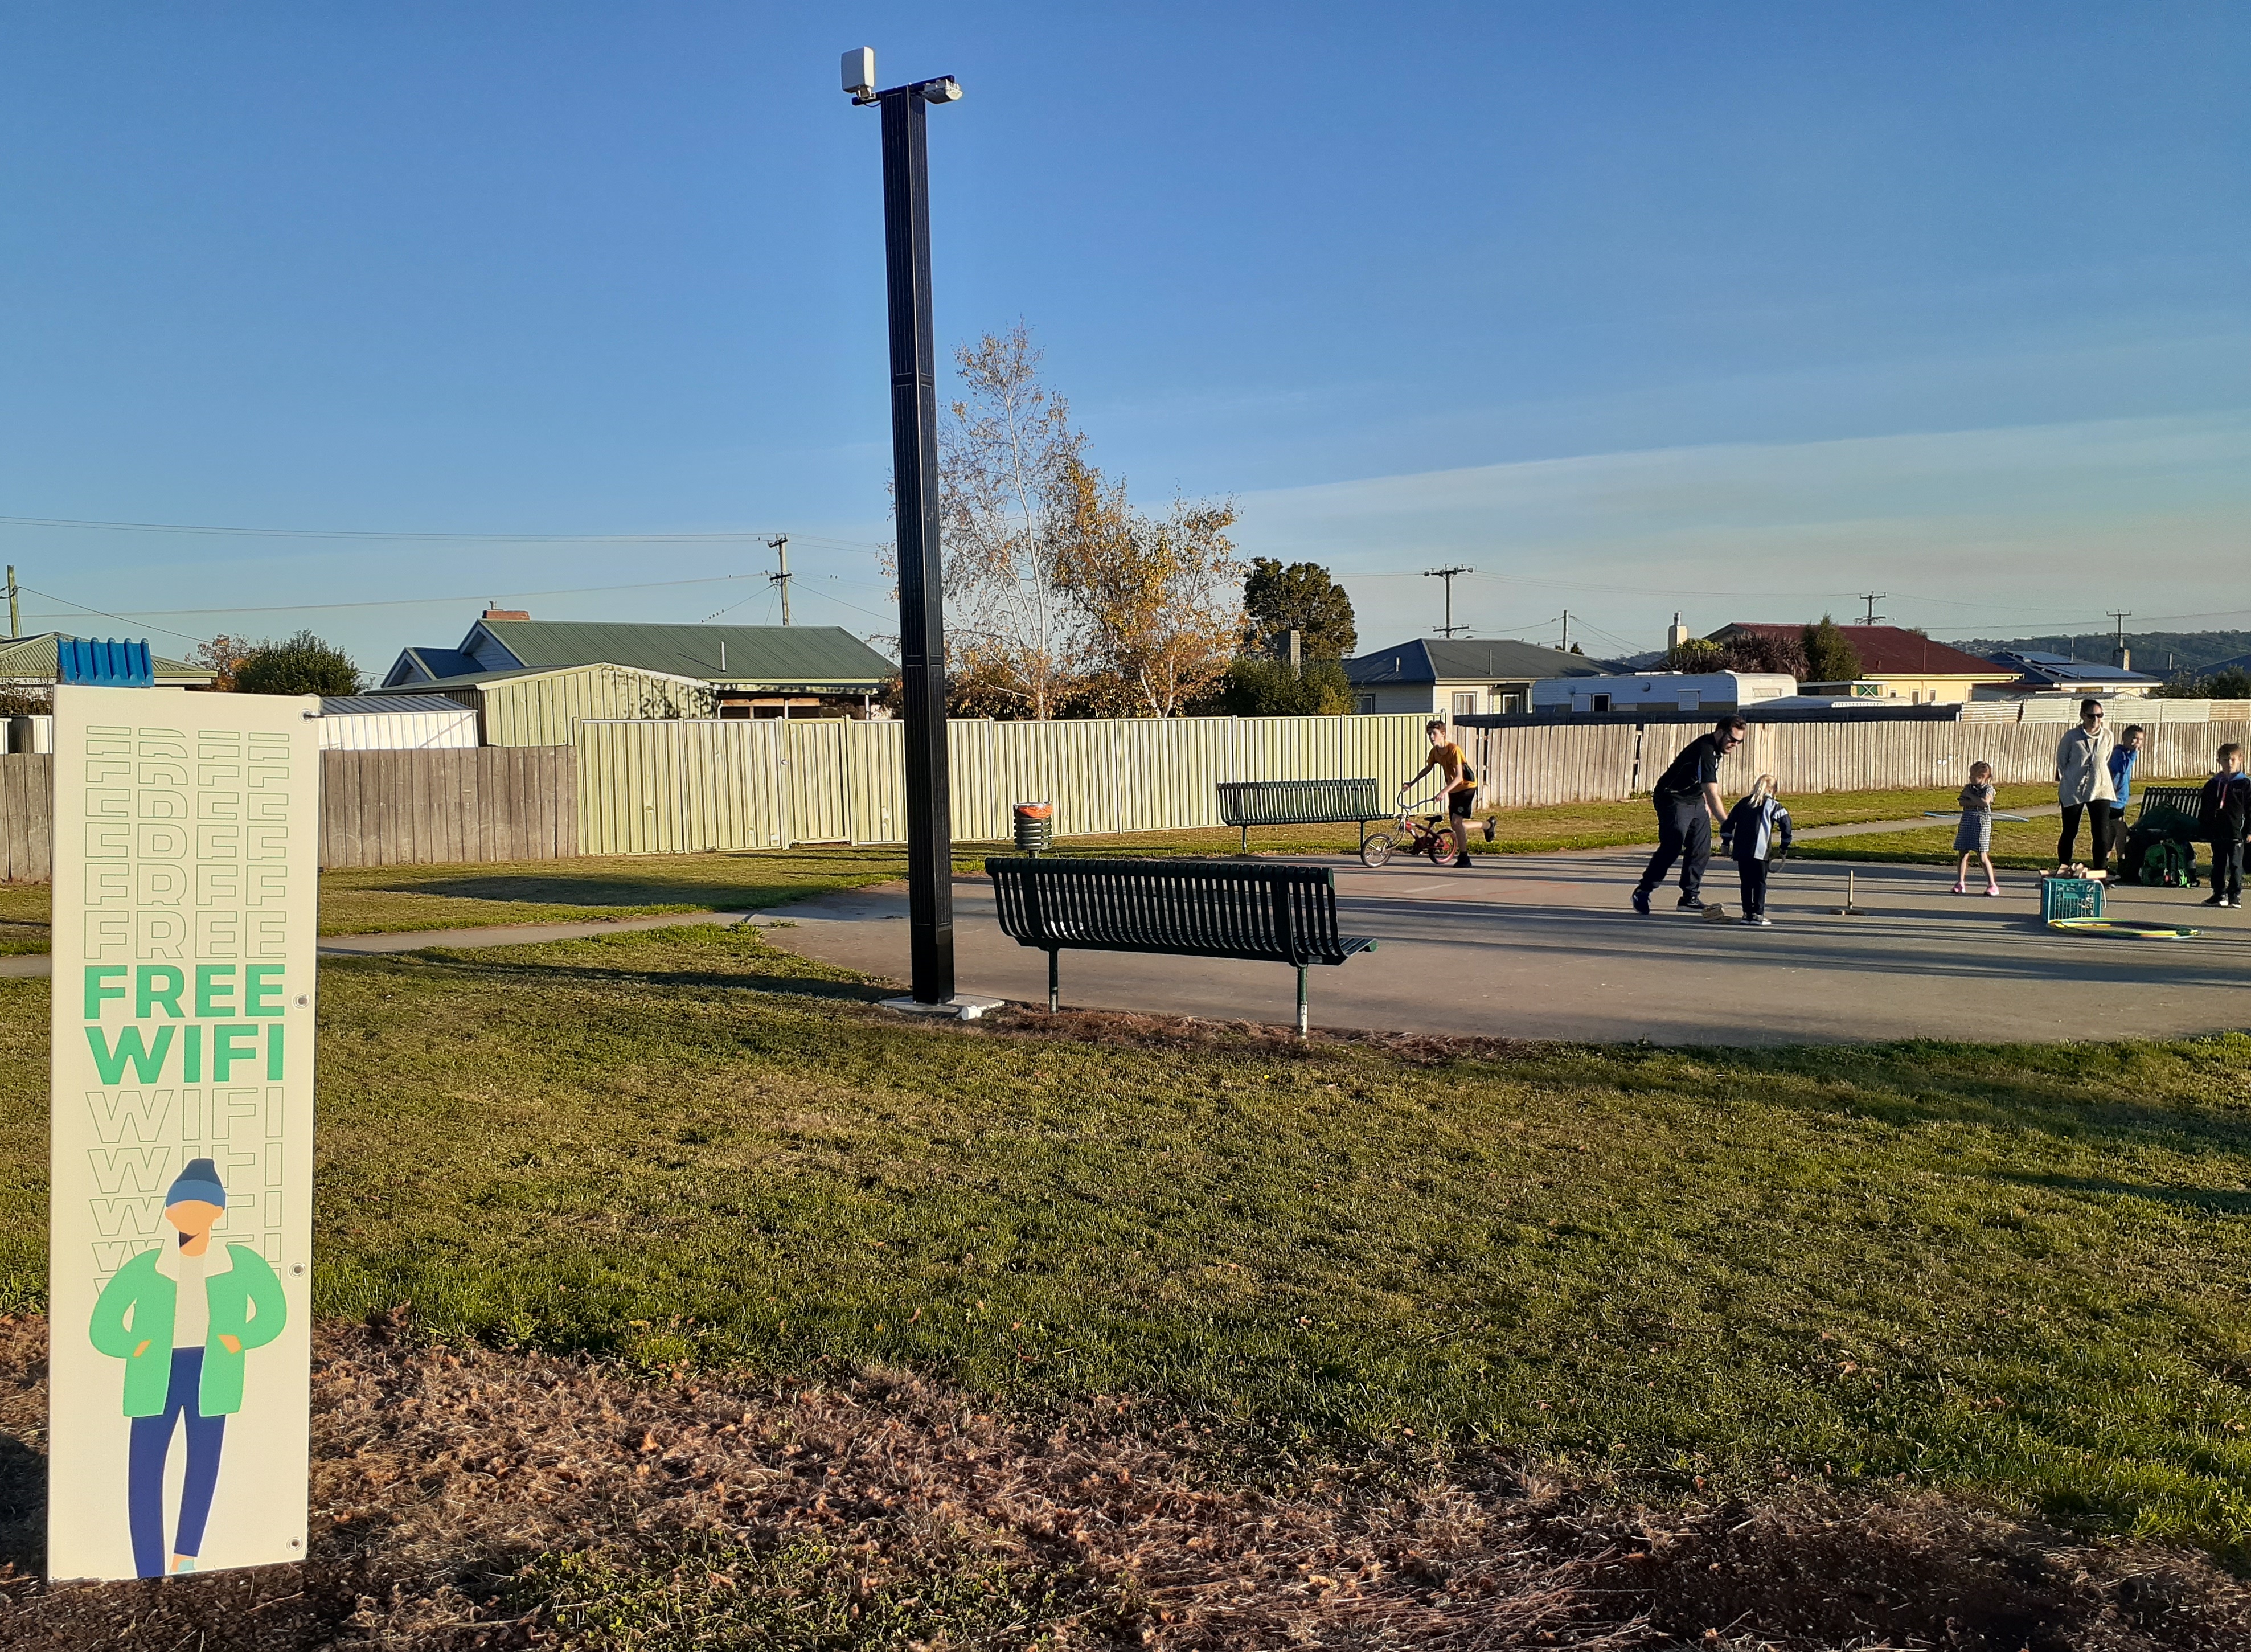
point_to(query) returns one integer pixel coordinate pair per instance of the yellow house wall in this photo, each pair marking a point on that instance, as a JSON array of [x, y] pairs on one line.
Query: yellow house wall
[[1930, 690], [547, 709]]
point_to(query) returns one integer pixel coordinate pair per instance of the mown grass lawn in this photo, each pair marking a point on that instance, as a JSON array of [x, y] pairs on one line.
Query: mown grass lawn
[[2018, 1272], [2026, 845]]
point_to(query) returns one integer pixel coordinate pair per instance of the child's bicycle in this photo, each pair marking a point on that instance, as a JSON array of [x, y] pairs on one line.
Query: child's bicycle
[[1412, 836]]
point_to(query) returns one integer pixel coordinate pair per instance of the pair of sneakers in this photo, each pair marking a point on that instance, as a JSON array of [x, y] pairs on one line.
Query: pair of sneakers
[[2219, 900], [1687, 903]]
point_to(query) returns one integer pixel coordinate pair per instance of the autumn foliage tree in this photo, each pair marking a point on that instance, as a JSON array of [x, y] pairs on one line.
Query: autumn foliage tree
[[1062, 597], [223, 656], [1159, 594]]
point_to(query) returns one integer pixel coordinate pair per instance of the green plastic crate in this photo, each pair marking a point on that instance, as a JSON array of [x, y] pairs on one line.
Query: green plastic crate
[[2070, 898]]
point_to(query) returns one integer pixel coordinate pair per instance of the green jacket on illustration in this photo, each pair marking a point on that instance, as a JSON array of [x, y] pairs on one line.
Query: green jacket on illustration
[[133, 1321]]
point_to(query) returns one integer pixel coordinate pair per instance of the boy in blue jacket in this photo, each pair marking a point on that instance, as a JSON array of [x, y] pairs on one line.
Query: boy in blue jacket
[[1755, 835], [2226, 810]]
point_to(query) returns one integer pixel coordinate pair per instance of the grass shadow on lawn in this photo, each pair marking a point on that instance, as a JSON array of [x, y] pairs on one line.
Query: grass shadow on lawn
[[478, 966], [2211, 1202]]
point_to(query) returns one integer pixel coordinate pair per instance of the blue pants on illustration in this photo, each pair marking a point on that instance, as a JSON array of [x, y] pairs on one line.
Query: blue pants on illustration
[[144, 1477]]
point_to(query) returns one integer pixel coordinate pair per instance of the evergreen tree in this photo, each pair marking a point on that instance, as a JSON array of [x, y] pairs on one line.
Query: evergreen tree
[[1301, 598], [303, 664], [1830, 655]]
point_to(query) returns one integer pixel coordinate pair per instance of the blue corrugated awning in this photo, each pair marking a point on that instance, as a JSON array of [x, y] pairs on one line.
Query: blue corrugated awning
[[108, 663]]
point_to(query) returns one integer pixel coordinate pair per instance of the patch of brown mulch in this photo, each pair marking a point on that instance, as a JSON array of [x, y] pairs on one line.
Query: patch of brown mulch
[[1141, 1032], [438, 1472]]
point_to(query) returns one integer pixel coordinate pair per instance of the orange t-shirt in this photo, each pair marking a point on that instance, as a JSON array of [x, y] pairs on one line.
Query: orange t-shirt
[[1451, 764]]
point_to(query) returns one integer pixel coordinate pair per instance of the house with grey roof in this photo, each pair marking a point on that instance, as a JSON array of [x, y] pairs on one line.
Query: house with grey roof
[[2038, 673], [739, 670], [1457, 676]]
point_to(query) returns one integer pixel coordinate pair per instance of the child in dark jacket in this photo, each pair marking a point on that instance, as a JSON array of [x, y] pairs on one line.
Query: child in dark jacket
[[2226, 811], [1755, 835]]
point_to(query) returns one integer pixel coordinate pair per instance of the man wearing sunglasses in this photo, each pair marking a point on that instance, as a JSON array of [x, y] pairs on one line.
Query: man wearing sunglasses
[[1688, 801], [2083, 786]]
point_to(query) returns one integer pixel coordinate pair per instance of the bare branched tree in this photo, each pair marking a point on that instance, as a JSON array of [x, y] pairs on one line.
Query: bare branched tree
[[1006, 456]]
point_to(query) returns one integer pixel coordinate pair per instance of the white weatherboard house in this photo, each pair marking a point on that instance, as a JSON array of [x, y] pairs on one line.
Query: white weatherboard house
[[1457, 677], [1713, 692]]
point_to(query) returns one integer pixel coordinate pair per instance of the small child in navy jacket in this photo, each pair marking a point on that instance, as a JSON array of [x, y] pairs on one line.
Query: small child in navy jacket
[[1755, 835]]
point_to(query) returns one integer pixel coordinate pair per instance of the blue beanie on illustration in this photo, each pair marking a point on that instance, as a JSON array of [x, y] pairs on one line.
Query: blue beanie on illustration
[[198, 1181]]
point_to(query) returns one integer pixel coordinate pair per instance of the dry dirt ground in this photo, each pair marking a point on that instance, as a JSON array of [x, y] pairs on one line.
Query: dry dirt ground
[[447, 1481]]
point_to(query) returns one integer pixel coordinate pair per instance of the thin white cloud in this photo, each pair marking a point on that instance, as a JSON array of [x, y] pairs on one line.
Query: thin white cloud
[[2001, 529]]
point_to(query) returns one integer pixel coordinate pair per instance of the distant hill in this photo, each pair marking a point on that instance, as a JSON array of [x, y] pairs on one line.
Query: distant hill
[[2163, 653]]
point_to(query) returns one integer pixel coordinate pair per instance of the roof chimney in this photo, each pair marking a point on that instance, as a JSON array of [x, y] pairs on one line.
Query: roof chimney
[[507, 613], [1676, 636]]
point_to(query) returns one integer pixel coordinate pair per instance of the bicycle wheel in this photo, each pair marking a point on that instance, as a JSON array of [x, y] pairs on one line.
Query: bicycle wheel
[[1376, 849]]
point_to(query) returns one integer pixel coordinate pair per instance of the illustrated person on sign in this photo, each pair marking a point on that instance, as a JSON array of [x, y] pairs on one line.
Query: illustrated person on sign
[[180, 1317]]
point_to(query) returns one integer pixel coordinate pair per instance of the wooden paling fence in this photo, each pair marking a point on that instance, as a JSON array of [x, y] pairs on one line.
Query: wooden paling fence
[[439, 808], [672, 786], [27, 814], [377, 808]]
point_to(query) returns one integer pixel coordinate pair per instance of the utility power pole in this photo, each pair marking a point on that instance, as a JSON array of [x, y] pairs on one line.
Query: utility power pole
[[780, 546], [1567, 630], [915, 501], [1447, 574], [14, 619], [1872, 598], [2125, 664]]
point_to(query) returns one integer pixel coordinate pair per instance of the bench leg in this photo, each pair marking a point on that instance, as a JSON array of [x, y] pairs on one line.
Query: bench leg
[[1055, 981], [1301, 1001]]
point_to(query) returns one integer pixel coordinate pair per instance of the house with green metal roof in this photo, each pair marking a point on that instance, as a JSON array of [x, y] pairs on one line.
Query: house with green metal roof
[[741, 670], [32, 662]]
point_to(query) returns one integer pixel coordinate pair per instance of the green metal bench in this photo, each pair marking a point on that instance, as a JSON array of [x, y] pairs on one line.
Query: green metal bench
[[1193, 908], [1300, 802], [2189, 799], [2168, 814]]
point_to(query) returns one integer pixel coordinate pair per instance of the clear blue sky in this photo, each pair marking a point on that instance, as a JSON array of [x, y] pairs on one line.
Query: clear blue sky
[[1731, 308]]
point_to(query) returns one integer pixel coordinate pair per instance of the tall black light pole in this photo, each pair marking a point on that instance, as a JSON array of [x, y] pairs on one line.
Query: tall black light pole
[[914, 479]]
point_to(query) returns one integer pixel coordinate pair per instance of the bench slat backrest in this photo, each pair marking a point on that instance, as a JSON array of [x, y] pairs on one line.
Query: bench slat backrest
[[2187, 799], [1285, 914], [1299, 802]]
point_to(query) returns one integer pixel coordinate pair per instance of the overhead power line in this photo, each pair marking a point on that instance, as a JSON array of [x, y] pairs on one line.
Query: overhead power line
[[714, 537]]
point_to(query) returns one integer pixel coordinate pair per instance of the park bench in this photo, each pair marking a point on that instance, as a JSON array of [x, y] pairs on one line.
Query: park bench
[[2188, 800], [1192, 908], [2168, 814], [1300, 802]]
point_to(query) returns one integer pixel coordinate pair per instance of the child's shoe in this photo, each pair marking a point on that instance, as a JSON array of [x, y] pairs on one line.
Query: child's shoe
[[1992, 889], [1959, 890], [1760, 919]]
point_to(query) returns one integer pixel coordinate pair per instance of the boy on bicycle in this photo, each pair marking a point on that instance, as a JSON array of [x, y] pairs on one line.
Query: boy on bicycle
[[1461, 785]]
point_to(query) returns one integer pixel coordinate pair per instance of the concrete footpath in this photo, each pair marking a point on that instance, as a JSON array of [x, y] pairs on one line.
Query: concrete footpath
[[1547, 946]]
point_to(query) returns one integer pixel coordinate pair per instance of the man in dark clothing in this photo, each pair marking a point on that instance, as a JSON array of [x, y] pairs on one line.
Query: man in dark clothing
[[1687, 802]]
